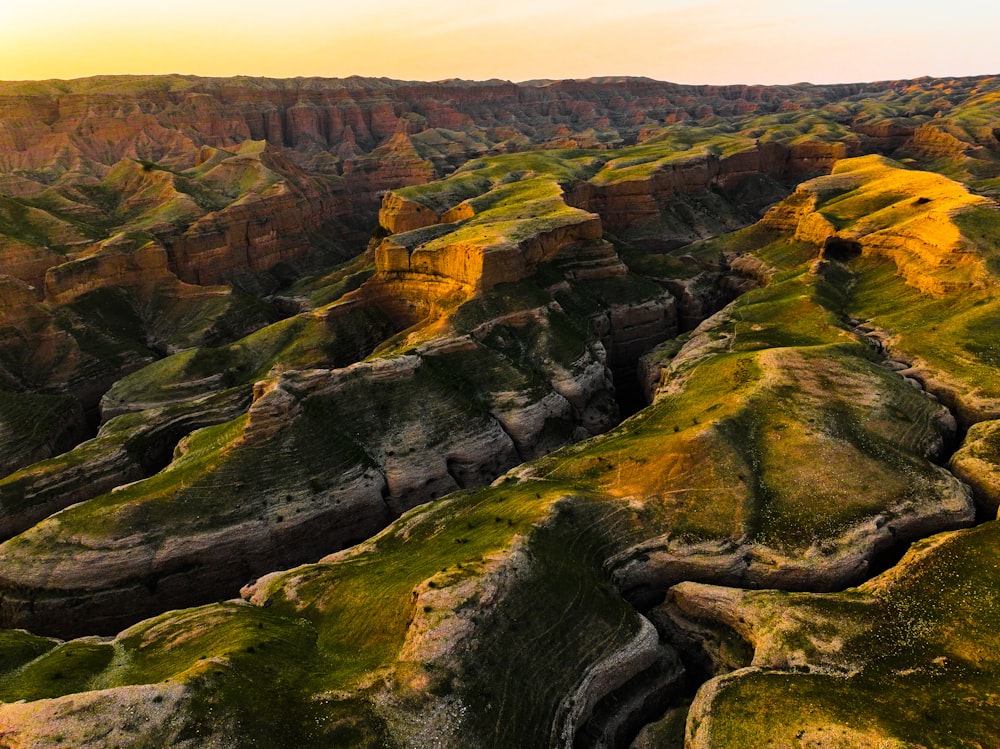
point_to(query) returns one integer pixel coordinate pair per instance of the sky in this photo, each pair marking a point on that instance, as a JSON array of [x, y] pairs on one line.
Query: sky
[[686, 41]]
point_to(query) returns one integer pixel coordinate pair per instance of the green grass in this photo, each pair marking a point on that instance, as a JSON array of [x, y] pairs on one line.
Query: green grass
[[60, 670], [27, 224], [479, 176], [676, 148], [30, 422], [18, 647], [511, 213], [920, 648], [731, 449], [953, 334], [566, 592], [309, 339], [234, 656], [981, 226]]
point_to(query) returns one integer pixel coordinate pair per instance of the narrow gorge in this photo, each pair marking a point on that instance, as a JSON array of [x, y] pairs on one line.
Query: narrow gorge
[[605, 413]]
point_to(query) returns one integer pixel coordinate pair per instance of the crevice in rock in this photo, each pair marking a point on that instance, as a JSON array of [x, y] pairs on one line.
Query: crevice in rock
[[710, 648], [887, 558], [517, 450], [619, 716], [158, 452], [628, 391], [876, 339]]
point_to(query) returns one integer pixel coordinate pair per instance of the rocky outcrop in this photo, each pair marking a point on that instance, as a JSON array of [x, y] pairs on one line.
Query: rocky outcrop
[[254, 235], [157, 714], [607, 676], [424, 441], [35, 427], [628, 204], [28, 263], [395, 163], [778, 453], [105, 584], [977, 463], [398, 215], [918, 234], [647, 570], [168, 118], [17, 302], [116, 265], [482, 265], [931, 141], [797, 217], [122, 452], [630, 330]]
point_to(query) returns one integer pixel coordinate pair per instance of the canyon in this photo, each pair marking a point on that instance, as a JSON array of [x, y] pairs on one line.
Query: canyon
[[604, 413]]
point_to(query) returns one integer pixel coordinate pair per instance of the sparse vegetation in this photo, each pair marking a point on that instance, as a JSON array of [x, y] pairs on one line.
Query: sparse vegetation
[[791, 444]]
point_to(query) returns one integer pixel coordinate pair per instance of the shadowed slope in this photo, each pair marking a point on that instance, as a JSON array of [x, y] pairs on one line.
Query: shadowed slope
[[782, 450]]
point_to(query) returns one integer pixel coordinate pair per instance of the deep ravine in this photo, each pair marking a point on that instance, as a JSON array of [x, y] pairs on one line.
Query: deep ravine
[[711, 649]]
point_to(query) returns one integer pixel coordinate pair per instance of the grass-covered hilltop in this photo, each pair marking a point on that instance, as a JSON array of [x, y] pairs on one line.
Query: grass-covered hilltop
[[607, 413]]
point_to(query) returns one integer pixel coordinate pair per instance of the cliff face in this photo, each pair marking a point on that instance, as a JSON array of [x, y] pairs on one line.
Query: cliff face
[[103, 120], [918, 234], [335, 147], [409, 433], [633, 206], [438, 417]]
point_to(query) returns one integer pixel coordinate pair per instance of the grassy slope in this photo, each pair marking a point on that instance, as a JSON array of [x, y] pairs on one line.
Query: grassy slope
[[913, 655], [342, 644], [725, 402], [915, 659]]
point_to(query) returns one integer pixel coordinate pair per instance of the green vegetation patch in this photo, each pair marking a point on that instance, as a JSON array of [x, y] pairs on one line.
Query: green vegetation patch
[[953, 334], [452, 537], [918, 642], [981, 226], [479, 176], [67, 668], [18, 647], [330, 337], [30, 422], [512, 213], [565, 592]]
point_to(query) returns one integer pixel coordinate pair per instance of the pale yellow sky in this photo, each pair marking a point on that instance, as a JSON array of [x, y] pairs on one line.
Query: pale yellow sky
[[688, 41]]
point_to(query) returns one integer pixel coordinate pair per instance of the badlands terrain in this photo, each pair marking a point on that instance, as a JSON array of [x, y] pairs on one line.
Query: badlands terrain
[[605, 413]]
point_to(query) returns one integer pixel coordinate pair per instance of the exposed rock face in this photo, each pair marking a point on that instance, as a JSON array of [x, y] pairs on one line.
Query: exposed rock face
[[917, 234], [483, 266], [358, 138], [35, 427], [253, 236], [605, 677], [628, 205], [161, 711], [122, 452], [976, 463], [140, 268], [28, 263], [398, 215], [789, 444], [168, 118], [408, 435]]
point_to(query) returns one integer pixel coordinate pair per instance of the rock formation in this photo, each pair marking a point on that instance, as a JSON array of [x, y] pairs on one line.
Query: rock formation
[[369, 505]]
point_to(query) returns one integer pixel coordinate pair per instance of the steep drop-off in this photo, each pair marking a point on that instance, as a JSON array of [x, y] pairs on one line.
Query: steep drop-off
[[440, 413]]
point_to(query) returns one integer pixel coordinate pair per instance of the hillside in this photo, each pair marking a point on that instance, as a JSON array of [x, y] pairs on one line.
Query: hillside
[[608, 413]]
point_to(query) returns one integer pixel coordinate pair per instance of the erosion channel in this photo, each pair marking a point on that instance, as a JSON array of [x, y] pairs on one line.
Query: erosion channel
[[624, 428]]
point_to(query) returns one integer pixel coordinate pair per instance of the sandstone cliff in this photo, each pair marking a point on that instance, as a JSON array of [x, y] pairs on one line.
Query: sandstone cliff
[[797, 440]]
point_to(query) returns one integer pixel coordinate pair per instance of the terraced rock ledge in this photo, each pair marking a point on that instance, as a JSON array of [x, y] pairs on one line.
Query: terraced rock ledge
[[408, 514]]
